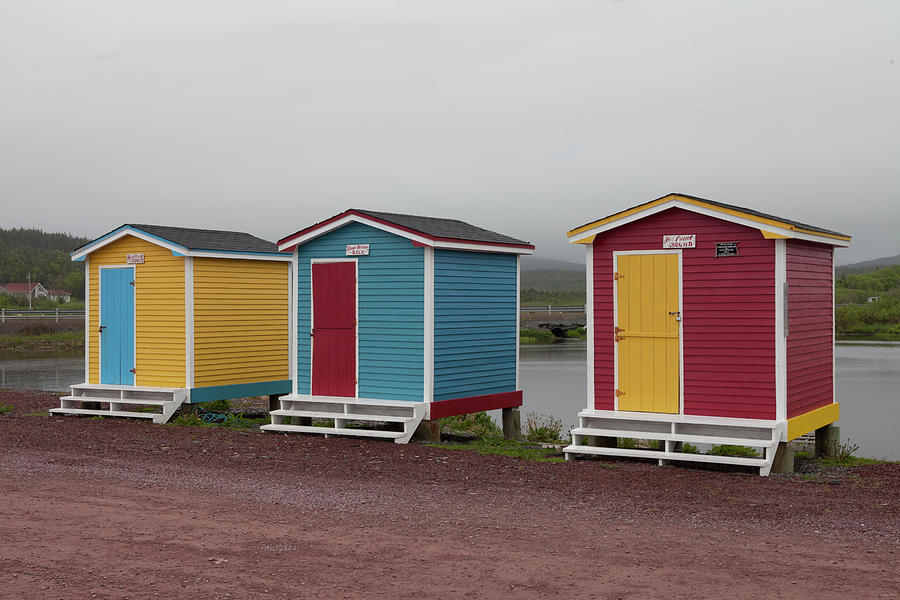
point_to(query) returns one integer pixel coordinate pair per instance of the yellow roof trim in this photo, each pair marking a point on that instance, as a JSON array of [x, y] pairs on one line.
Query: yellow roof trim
[[772, 236], [708, 206]]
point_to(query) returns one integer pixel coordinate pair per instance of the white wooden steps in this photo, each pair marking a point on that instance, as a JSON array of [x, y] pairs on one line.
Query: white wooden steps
[[378, 415], [114, 398], [669, 429]]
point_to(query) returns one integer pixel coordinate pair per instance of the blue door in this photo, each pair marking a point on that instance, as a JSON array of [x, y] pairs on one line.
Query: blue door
[[117, 326]]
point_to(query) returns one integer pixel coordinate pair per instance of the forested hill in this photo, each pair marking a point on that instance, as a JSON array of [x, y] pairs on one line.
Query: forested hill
[[45, 256]]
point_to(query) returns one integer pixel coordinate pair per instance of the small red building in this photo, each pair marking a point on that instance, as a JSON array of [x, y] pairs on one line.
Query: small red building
[[707, 323]]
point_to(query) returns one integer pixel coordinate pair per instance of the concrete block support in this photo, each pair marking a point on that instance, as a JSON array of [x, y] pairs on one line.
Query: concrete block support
[[512, 423], [428, 431], [828, 439], [784, 459]]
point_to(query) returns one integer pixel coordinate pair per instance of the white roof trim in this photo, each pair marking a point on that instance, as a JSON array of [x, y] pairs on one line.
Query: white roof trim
[[353, 218], [675, 203]]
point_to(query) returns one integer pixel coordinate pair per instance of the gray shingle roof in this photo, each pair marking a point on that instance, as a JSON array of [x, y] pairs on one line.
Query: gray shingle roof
[[210, 239], [205, 239], [443, 228], [764, 215]]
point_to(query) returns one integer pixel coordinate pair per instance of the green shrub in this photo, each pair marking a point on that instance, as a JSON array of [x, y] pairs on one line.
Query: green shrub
[[543, 428], [689, 449], [479, 423], [5, 408]]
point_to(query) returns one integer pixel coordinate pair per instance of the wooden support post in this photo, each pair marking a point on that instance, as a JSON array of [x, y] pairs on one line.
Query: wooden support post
[[512, 423], [828, 438], [784, 459], [428, 431]]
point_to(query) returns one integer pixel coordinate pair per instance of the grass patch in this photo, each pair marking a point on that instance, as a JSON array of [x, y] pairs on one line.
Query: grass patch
[[639, 444], [732, 450], [479, 423], [689, 449], [529, 336], [578, 333], [202, 417], [500, 446], [59, 340], [5, 409]]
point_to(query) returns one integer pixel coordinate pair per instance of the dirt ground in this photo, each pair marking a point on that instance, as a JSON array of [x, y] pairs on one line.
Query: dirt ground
[[119, 509]]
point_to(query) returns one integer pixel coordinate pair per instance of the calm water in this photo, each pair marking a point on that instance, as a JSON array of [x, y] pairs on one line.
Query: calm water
[[553, 378]]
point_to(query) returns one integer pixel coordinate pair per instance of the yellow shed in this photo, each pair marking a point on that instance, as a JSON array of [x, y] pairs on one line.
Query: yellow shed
[[178, 315]]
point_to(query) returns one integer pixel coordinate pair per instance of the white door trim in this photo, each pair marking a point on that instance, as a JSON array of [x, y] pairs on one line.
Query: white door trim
[[312, 316], [615, 293], [100, 318]]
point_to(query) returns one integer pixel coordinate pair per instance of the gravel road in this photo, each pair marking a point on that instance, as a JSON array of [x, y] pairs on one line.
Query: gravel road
[[120, 509]]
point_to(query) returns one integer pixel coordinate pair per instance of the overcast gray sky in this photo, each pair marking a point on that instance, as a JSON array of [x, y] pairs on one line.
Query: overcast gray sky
[[527, 117]]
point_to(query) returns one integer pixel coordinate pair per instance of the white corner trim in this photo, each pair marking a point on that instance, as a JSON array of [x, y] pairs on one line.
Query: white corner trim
[[292, 295], [87, 320], [589, 320], [189, 321], [518, 313], [781, 308], [428, 375], [833, 333]]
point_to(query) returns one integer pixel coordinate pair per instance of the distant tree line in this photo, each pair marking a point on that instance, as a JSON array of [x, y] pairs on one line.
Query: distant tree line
[[854, 315], [45, 256]]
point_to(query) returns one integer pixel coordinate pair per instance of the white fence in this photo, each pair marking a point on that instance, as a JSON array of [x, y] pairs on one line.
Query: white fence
[[549, 309], [11, 313]]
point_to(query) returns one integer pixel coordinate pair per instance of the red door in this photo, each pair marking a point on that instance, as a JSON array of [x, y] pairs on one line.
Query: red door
[[334, 329]]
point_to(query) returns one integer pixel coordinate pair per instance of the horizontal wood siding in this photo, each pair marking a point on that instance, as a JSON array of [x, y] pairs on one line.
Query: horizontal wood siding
[[241, 321], [474, 324], [728, 314], [159, 311], [391, 301], [810, 350]]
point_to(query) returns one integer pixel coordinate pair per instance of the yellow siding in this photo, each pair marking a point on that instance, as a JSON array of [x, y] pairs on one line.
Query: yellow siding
[[159, 311], [241, 321]]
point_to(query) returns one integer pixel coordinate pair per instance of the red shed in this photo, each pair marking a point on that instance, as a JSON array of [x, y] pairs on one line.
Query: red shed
[[707, 324]]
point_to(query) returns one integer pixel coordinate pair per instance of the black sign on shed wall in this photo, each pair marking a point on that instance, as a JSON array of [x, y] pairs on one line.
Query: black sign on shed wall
[[726, 249]]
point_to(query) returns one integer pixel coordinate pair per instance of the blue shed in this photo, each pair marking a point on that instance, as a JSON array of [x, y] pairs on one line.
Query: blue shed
[[400, 318]]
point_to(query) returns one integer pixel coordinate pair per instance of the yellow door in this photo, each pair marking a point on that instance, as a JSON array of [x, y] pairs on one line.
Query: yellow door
[[647, 332]]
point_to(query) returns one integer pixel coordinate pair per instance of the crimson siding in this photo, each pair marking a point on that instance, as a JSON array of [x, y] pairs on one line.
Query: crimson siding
[[728, 312], [810, 349]]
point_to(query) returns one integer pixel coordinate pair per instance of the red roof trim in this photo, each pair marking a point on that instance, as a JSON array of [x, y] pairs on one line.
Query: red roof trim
[[366, 217]]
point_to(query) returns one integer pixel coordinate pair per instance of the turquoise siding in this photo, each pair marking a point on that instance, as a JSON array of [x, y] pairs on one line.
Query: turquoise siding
[[474, 324], [391, 302]]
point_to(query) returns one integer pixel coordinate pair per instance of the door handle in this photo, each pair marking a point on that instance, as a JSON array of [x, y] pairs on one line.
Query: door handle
[[676, 314], [102, 327]]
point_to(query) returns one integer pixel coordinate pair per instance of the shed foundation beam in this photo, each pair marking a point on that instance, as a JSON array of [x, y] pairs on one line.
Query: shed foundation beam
[[828, 439], [784, 459], [512, 423], [428, 431]]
